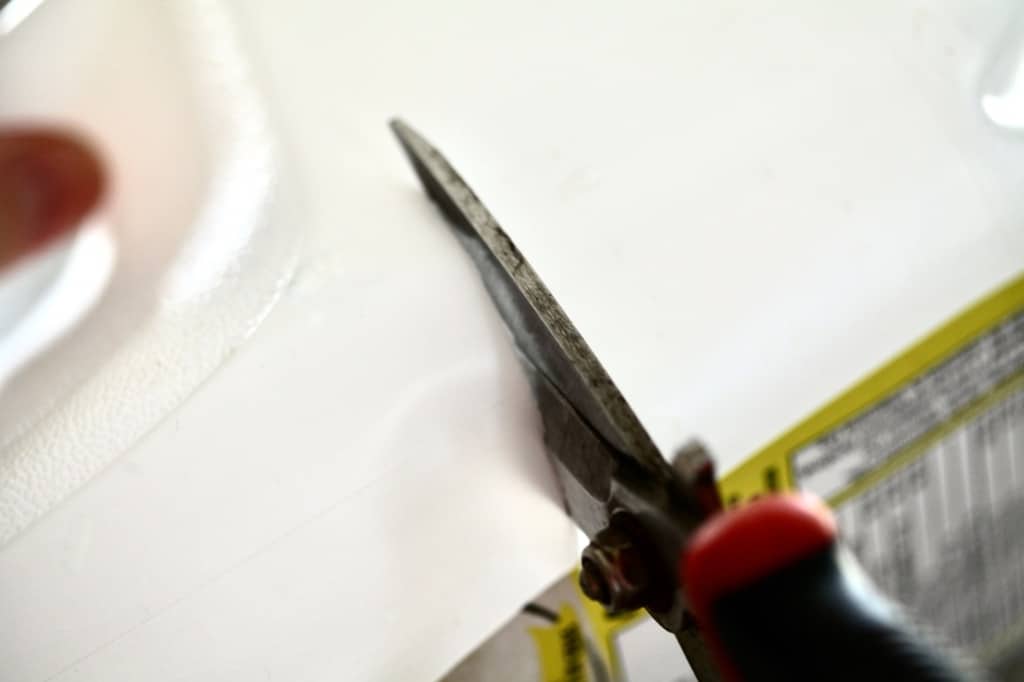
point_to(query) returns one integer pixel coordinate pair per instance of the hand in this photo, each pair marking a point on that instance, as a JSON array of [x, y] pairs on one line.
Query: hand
[[49, 182]]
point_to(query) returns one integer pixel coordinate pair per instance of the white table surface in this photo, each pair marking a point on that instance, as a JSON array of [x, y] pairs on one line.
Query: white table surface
[[744, 208]]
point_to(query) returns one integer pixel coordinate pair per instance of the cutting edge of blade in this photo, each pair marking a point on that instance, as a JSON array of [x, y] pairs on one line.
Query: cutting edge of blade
[[458, 201]]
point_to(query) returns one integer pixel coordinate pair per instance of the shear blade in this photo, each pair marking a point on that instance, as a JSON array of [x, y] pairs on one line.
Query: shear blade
[[543, 333]]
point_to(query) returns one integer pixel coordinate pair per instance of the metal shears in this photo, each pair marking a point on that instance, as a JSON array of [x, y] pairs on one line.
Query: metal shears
[[759, 591]]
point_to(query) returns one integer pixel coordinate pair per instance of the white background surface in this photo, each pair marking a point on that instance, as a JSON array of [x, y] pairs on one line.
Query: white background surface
[[200, 213], [744, 208]]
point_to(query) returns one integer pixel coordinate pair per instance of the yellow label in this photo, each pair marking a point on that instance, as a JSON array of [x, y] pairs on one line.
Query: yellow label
[[560, 649]]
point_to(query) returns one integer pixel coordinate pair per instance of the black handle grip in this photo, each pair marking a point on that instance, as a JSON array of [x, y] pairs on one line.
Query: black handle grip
[[799, 608], [819, 620]]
